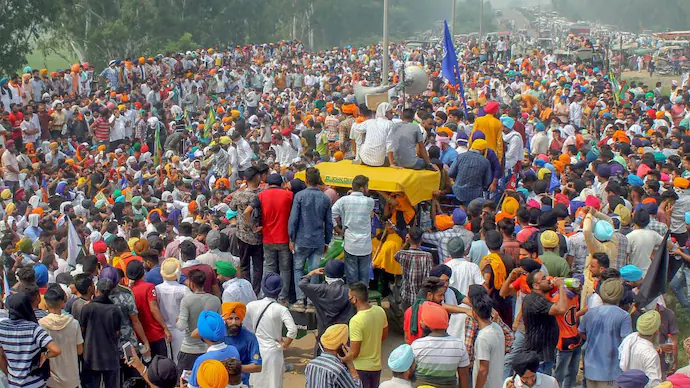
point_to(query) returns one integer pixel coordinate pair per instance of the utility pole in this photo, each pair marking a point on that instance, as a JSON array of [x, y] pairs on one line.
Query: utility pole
[[452, 13], [481, 20], [384, 65]]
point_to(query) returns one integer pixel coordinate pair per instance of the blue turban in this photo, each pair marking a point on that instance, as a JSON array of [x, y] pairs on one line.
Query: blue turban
[[4, 81], [539, 127], [632, 378], [230, 214], [120, 199], [478, 135], [211, 326], [41, 272], [631, 273], [459, 216], [634, 180], [334, 269], [272, 285], [109, 273], [603, 231], [508, 122], [540, 163], [401, 358]]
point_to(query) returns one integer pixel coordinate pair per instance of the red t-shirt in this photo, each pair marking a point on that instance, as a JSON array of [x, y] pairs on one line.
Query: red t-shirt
[[101, 129], [406, 325], [144, 292], [15, 120], [275, 212], [210, 275]]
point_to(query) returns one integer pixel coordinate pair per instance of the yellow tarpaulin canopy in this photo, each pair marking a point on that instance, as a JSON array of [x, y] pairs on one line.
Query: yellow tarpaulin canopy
[[418, 186]]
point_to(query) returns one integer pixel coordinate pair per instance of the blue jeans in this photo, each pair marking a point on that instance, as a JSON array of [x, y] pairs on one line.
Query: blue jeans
[[546, 367], [567, 366], [680, 285], [302, 254], [357, 268], [517, 347]]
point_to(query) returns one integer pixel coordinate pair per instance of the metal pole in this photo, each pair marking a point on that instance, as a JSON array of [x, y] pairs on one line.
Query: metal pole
[[620, 59], [452, 13], [481, 20], [384, 66]]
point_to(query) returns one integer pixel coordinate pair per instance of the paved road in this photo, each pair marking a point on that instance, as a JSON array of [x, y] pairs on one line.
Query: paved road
[[520, 21]]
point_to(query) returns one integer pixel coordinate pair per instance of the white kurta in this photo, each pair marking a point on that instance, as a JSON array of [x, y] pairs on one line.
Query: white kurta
[[269, 334], [169, 295]]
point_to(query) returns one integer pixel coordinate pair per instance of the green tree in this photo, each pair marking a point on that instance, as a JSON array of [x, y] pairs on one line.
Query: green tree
[[22, 23]]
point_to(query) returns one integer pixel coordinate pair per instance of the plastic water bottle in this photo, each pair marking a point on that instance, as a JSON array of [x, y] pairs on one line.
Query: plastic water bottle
[[668, 355], [571, 282]]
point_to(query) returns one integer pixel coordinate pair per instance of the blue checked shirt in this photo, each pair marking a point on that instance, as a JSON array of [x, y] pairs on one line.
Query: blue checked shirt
[[311, 224], [355, 211], [471, 173]]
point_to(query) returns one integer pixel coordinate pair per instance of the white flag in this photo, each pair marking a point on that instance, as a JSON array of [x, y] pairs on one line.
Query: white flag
[[74, 245]]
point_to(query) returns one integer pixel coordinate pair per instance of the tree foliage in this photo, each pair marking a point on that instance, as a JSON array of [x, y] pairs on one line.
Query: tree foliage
[[98, 30], [630, 15], [22, 23]]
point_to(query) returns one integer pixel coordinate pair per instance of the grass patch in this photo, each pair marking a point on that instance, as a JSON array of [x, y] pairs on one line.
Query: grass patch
[[52, 61]]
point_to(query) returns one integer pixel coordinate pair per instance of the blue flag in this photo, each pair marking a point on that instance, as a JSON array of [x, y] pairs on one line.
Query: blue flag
[[450, 69]]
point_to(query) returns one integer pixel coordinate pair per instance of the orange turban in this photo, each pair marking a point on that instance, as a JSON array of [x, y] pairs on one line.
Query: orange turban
[[445, 130], [681, 183], [565, 159], [620, 137], [238, 308], [648, 200], [434, 316], [350, 109], [223, 180], [338, 155], [193, 206], [38, 210], [559, 166]]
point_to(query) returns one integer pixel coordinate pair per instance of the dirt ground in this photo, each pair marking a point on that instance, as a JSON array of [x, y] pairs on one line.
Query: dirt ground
[[644, 78], [301, 352]]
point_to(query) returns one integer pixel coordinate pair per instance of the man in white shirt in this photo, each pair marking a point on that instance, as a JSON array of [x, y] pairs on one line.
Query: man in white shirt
[[642, 242], [525, 366], [169, 295], [465, 274], [489, 347], [234, 289], [10, 166], [576, 111], [30, 129], [117, 125], [638, 351], [378, 137], [244, 153]]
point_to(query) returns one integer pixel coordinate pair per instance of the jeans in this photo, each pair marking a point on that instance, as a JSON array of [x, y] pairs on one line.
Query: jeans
[[567, 366], [680, 285], [277, 260], [251, 263], [546, 367], [369, 379], [357, 268], [517, 348], [302, 254]]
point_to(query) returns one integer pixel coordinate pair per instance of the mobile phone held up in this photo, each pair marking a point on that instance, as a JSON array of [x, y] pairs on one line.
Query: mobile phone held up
[[129, 351]]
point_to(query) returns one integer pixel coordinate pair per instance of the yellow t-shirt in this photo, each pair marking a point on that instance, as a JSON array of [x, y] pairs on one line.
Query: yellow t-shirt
[[367, 326]]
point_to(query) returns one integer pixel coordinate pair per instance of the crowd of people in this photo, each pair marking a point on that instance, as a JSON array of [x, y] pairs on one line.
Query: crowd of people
[[164, 221]]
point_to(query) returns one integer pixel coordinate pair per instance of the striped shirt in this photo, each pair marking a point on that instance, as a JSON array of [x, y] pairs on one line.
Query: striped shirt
[[354, 211], [328, 372], [101, 129], [21, 341], [438, 360]]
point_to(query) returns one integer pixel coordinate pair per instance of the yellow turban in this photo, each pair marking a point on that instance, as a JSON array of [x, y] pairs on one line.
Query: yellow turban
[[101, 148], [121, 107], [665, 384], [624, 213], [53, 145], [81, 181], [212, 374], [10, 208], [335, 336], [549, 239], [70, 162], [225, 140], [480, 145], [649, 322], [6, 194], [235, 113], [234, 307], [542, 173], [510, 206]]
